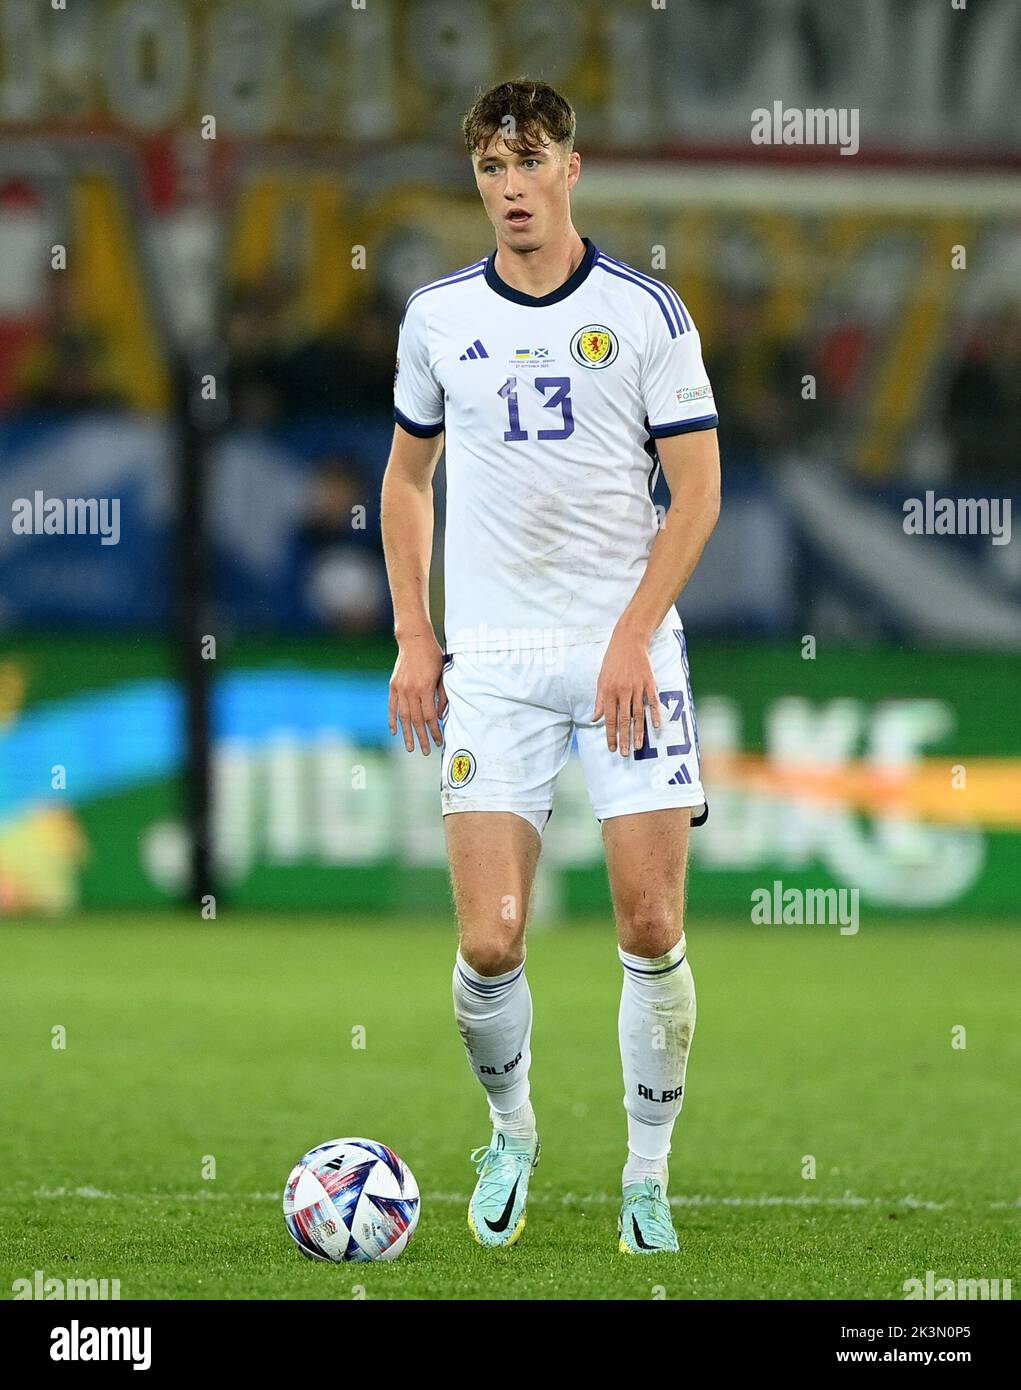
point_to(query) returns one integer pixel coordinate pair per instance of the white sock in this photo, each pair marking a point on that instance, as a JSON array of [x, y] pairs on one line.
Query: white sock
[[494, 1018], [516, 1124], [637, 1169], [655, 1024]]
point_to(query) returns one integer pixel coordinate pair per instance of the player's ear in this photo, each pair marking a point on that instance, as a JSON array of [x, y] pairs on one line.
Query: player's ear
[[573, 168]]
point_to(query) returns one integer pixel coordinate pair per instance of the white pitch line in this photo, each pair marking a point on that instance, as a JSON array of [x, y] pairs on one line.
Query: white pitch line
[[847, 1200]]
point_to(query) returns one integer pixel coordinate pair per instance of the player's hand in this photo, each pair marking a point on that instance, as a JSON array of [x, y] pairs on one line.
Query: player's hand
[[626, 684], [417, 697]]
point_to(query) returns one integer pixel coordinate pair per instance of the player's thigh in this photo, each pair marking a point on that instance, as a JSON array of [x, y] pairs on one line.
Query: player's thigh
[[493, 857], [647, 859]]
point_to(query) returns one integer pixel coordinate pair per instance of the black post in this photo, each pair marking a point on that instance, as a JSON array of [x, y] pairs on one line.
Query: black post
[[199, 419]]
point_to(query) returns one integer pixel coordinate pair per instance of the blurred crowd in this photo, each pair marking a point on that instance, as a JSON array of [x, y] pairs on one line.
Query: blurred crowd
[[301, 501]]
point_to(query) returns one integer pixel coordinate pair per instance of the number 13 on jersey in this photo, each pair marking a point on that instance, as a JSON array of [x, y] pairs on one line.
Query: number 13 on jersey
[[561, 389]]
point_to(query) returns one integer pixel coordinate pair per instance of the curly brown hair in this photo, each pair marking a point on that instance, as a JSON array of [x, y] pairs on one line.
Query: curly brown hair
[[527, 114]]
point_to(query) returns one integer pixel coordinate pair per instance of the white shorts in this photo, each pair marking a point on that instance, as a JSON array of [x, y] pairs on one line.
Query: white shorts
[[511, 716]]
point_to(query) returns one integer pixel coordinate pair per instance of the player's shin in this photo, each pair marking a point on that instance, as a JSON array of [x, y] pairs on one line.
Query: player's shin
[[494, 1018], [655, 1023]]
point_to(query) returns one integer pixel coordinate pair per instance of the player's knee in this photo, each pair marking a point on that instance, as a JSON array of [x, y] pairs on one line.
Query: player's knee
[[649, 931], [493, 954]]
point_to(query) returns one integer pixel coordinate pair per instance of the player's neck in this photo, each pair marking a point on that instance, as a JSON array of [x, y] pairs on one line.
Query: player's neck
[[540, 272]]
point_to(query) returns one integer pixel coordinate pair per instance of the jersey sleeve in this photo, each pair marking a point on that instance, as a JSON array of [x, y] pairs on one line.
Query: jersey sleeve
[[674, 384], [418, 396]]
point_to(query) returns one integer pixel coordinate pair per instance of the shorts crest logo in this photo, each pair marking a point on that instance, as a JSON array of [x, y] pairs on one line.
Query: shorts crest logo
[[462, 768], [594, 346]]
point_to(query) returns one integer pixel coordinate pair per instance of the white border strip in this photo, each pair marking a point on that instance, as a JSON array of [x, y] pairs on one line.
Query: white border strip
[[674, 185], [847, 1200]]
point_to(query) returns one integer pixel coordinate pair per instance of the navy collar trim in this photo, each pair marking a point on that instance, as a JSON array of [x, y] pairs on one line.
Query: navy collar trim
[[539, 302]]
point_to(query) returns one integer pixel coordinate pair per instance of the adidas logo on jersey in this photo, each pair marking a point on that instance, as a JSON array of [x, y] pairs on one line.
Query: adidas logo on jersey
[[474, 352]]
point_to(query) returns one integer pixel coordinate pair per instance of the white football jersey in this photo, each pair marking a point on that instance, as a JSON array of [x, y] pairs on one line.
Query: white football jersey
[[551, 407]]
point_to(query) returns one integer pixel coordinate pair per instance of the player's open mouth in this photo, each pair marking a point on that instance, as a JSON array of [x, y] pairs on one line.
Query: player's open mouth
[[519, 218]]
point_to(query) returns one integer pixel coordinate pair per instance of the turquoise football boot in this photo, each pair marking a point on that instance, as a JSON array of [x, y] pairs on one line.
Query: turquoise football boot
[[644, 1223], [496, 1212]]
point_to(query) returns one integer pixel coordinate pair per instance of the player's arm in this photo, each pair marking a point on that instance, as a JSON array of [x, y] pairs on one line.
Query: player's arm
[[691, 463], [681, 417], [407, 526], [691, 466]]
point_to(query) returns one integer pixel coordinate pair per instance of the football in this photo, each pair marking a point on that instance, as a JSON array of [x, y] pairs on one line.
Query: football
[[351, 1200]]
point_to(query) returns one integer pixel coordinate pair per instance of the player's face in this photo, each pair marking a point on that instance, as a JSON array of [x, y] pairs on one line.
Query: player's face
[[526, 195]]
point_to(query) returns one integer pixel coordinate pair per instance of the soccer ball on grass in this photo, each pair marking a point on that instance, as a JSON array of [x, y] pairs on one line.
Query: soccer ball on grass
[[351, 1200]]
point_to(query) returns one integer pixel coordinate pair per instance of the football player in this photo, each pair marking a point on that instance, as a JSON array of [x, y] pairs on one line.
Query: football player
[[560, 381]]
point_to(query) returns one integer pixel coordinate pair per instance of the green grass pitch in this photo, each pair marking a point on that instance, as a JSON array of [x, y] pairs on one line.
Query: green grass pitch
[[234, 1039]]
